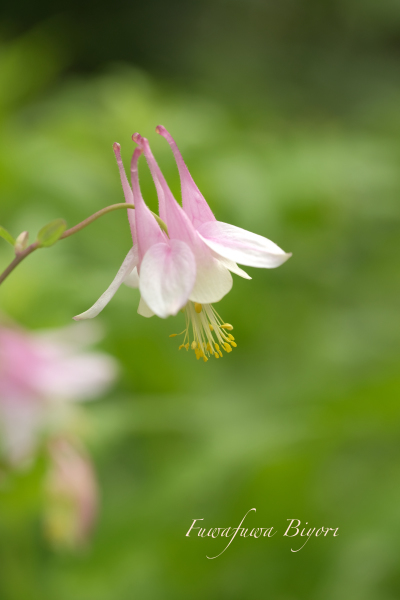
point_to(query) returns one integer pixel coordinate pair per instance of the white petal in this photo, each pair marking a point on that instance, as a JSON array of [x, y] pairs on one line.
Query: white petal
[[167, 276], [132, 279], [232, 266], [127, 266], [213, 281], [144, 310], [242, 246]]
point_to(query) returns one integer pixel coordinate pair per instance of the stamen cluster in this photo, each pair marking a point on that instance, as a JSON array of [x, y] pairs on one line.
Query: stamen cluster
[[203, 321]]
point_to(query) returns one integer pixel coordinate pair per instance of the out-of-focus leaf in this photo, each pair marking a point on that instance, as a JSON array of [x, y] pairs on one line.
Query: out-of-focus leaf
[[51, 233], [7, 236]]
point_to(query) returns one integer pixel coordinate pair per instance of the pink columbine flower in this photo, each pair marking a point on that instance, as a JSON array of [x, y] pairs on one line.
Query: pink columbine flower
[[40, 374], [189, 269], [71, 494]]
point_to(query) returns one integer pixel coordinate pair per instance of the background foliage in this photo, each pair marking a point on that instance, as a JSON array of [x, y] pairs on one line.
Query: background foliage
[[288, 117]]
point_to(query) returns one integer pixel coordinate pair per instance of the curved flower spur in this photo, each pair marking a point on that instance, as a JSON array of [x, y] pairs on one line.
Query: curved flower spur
[[190, 268]]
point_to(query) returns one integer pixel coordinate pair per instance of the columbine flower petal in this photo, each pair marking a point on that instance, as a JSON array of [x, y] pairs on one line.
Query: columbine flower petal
[[213, 279], [167, 268], [234, 244], [147, 229], [144, 310], [127, 192], [232, 266], [242, 246], [126, 268], [193, 202], [132, 280], [167, 276]]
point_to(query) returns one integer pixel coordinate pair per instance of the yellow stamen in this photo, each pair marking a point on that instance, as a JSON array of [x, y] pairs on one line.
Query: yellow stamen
[[205, 332]]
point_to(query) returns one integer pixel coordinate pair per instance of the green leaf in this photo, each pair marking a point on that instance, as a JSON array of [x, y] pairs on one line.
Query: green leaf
[[51, 233], [7, 236]]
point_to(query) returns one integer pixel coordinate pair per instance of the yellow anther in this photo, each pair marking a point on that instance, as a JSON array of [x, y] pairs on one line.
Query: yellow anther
[[203, 342]]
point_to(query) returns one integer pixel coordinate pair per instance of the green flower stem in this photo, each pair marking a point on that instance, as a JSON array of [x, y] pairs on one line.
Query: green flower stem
[[19, 258], [92, 218], [21, 255]]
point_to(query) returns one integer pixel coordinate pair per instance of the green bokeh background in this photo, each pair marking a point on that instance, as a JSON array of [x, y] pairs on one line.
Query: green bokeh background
[[288, 116]]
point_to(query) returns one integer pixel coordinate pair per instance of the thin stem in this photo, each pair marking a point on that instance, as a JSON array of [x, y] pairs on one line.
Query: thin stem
[[92, 218], [21, 255]]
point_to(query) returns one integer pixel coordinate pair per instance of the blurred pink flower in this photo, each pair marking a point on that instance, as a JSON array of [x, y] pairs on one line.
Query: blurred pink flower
[[72, 494], [39, 374]]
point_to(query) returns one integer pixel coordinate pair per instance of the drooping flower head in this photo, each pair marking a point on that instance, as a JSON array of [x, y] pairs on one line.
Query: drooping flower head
[[190, 268], [216, 247], [42, 375]]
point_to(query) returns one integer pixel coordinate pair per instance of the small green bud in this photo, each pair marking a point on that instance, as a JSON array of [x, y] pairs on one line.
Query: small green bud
[[21, 242], [51, 233]]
